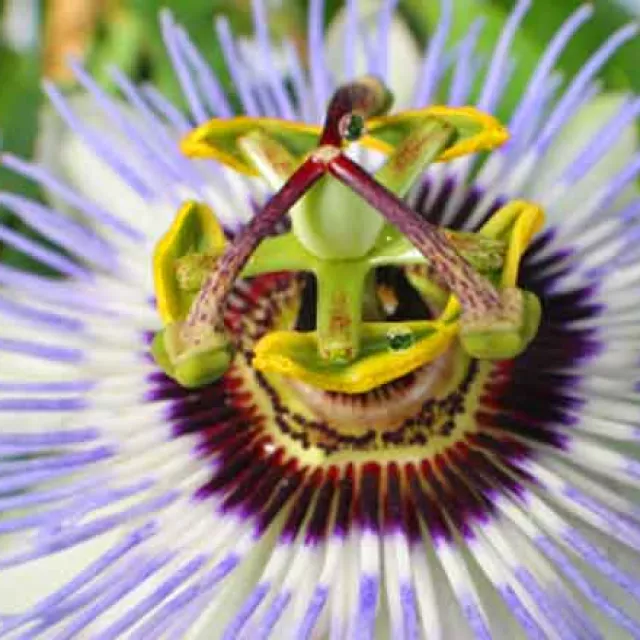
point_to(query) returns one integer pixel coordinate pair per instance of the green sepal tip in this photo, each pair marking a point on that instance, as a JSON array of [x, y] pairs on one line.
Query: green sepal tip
[[508, 338], [197, 366]]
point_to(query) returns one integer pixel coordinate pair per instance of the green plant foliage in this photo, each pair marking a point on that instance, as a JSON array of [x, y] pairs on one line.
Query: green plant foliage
[[151, 61], [20, 100]]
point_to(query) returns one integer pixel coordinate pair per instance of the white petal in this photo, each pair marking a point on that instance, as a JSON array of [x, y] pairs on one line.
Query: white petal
[[632, 5], [24, 586]]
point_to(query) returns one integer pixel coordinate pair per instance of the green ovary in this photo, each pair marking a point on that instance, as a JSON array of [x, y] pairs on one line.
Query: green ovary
[[347, 229]]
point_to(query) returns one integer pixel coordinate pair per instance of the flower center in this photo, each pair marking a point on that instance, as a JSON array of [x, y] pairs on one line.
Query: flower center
[[276, 448], [430, 406], [469, 278], [389, 406]]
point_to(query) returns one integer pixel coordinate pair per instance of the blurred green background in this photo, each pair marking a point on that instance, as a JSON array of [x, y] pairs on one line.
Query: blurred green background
[[37, 35]]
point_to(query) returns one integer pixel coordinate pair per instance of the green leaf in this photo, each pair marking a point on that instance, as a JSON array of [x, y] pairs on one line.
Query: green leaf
[[20, 101], [120, 42]]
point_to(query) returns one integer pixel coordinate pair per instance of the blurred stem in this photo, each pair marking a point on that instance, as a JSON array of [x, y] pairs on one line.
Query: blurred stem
[[20, 102]]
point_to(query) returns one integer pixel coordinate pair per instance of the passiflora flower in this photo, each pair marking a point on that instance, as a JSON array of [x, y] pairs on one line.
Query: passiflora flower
[[321, 368]]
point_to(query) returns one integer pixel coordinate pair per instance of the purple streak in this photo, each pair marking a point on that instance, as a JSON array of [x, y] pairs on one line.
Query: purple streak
[[549, 606], [494, 84], [48, 257], [409, 612], [521, 614], [169, 34], [567, 105], [599, 561], [18, 405], [474, 617], [187, 596], [85, 577], [367, 602], [584, 586], [316, 605], [157, 597], [271, 616], [246, 611]]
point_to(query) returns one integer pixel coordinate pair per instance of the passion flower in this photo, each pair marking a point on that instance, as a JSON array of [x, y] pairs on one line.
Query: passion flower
[[318, 369]]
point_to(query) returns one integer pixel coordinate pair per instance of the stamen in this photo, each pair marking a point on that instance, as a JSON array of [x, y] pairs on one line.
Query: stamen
[[192, 270], [207, 309], [494, 324], [197, 351]]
